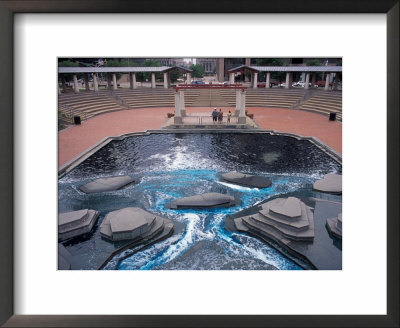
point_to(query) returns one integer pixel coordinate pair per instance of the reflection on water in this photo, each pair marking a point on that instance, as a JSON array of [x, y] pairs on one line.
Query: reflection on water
[[169, 166]]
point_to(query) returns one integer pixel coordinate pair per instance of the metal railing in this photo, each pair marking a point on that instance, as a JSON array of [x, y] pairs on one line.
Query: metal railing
[[119, 99], [207, 120], [306, 95]]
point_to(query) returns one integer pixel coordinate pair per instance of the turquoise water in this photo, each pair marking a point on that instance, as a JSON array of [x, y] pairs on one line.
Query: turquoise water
[[234, 251], [171, 166]]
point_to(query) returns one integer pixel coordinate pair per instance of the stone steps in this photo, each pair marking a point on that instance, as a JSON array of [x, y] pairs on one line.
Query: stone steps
[[88, 104], [76, 223], [282, 219]]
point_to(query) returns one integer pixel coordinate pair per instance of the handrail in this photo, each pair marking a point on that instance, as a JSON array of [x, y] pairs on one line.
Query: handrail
[[209, 86], [119, 99], [306, 95]]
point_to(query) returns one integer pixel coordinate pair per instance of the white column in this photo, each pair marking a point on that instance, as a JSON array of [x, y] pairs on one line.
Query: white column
[[288, 83], [268, 80], [95, 82], [182, 102], [188, 78], [254, 78], [153, 80], [231, 78], [76, 86], [327, 80], [166, 78], [242, 114], [177, 117], [114, 78], [134, 84], [238, 99], [307, 81]]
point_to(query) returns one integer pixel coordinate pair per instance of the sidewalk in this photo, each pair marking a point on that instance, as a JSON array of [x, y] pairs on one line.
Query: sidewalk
[[76, 139]]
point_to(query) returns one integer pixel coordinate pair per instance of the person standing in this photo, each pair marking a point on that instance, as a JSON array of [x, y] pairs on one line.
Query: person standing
[[214, 115], [229, 117], [220, 116]]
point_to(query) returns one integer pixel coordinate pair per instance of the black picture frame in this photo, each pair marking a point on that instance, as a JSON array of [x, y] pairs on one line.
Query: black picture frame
[[10, 7]]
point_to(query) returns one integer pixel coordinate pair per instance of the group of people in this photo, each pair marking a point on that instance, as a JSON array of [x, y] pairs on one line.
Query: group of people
[[220, 115]]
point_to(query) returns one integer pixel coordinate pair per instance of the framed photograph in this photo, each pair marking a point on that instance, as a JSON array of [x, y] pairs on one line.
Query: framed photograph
[[363, 293]]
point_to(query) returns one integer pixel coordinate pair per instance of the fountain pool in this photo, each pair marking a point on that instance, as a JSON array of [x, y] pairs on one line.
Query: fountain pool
[[174, 165]]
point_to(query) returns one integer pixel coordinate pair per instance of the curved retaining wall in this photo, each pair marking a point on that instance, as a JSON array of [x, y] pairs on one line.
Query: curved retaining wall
[[70, 165]]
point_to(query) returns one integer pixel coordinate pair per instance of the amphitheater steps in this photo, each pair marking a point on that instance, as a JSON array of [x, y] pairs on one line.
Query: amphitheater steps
[[87, 104], [147, 97], [324, 103], [209, 98]]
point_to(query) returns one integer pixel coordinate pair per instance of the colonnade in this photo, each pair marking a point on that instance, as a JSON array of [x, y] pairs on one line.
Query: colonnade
[[112, 81], [288, 80]]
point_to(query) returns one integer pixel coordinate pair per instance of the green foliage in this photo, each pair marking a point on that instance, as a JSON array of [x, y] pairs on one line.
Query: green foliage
[[113, 63], [61, 116], [313, 62], [271, 62], [280, 76], [174, 76], [142, 77], [69, 63], [198, 70]]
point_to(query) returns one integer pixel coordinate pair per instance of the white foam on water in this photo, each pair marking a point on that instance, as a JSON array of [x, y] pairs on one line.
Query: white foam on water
[[183, 244], [237, 187], [259, 250]]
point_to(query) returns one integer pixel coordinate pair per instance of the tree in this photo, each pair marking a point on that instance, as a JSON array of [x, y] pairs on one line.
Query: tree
[[197, 70], [313, 62], [113, 63], [147, 76], [272, 62], [68, 63]]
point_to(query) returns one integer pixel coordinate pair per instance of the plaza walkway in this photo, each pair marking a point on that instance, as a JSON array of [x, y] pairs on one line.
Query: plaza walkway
[[76, 139]]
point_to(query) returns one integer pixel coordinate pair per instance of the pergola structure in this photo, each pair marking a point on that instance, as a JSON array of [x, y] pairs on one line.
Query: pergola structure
[[310, 71], [240, 108], [112, 75]]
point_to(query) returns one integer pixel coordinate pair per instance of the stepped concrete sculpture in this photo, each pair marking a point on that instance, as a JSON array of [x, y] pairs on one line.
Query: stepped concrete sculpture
[[76, 223], [247, 180], [211, 199], [334, 226], [64, 258], [281, 219], [106, 184], [330, 183], [131, 223]]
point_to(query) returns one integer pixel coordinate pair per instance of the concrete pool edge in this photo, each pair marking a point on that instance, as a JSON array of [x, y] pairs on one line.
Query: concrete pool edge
[[74, 162]]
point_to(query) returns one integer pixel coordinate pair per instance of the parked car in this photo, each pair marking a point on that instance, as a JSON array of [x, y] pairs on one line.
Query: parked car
[[271, 83], [322, 84], [299, 84]]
